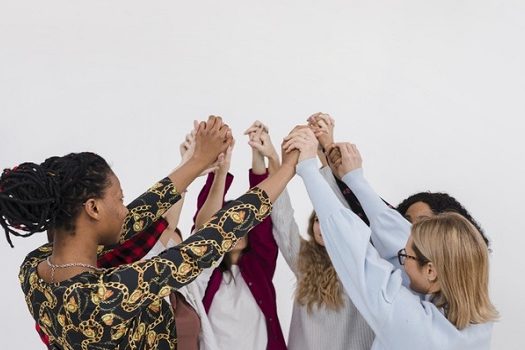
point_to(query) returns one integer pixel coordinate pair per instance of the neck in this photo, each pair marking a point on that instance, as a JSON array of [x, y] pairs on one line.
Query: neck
[[74, 247], [235, 255]]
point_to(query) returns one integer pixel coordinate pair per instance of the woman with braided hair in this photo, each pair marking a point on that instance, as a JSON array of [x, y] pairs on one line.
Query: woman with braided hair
[[80, 306]]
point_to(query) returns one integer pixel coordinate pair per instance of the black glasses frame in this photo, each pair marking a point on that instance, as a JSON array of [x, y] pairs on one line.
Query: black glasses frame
[[402, 256]]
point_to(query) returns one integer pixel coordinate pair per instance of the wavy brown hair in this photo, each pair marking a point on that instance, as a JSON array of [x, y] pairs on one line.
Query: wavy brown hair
[[317, 283]]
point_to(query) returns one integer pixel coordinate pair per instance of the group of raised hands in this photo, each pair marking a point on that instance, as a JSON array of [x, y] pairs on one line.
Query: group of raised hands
[[210, 145]]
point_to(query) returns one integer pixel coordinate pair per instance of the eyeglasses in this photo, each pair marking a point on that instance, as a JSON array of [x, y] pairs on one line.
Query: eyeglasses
[[402, 256]]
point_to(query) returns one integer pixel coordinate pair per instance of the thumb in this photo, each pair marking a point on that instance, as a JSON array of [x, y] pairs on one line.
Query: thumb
[[258, 146]]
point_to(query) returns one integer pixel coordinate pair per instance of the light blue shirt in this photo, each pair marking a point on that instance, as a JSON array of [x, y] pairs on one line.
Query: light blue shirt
[[400, 318]]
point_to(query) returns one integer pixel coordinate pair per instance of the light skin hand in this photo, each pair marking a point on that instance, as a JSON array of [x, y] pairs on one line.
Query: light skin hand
[[256, 126], [262, 147], [290, 158], [269, 152], [323, 127], [187, 147], [350, 159], [224, 160], [262, 142], [304, 140]]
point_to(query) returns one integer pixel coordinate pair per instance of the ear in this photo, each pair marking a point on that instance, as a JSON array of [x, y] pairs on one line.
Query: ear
[[91, 209], [431, 274]]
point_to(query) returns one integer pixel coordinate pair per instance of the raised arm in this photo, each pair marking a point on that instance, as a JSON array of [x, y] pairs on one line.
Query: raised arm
[[368, 279], [390, 230], [263, 246], [179, 265], [323, 126], [211, 139], [398, 317], [141, 243], [151, 205], [371, 282], [262, 147], [211, 197], [285, 230]]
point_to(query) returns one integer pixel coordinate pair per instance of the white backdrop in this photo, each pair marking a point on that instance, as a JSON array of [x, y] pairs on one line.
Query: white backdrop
[[431, 91]]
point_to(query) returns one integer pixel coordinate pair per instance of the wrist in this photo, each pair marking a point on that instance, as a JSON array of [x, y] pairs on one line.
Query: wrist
[[274, 156], [287, 170], [326, 145], [196, 163], [307, 155], [274, 163], [257, 156], [222, 173]]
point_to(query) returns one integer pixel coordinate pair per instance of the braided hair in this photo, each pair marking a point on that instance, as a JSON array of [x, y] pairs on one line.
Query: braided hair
[[49, 196], [440, 202]]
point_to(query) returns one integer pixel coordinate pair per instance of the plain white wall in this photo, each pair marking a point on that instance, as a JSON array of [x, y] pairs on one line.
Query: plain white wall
[[431, 91]]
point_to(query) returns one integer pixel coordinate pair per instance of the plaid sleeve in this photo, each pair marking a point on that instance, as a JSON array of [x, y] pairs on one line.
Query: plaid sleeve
[[134, 248], [44, 337], [132, 287]]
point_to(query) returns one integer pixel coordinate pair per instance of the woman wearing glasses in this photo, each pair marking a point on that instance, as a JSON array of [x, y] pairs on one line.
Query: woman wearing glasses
[[446, 305]]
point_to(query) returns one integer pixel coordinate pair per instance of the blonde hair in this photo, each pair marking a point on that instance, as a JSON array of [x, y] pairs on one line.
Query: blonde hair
[[317, 283], [460, 256]]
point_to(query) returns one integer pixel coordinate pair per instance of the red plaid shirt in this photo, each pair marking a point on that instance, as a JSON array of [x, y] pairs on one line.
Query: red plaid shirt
[[128, 252]]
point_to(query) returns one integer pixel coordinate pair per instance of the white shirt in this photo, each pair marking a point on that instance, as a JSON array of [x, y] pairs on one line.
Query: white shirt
[[321, 328], [236, 319], [193, 293]]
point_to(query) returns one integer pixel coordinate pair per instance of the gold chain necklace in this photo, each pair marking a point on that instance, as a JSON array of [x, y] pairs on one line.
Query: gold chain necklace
[[63, 266]]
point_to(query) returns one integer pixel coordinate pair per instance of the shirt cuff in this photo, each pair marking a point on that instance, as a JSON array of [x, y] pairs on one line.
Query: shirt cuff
[[353, 177], [256, 179], [306, 166]]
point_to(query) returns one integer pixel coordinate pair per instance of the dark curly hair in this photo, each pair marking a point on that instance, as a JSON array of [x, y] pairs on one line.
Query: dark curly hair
[[49, 196], [440, 202]]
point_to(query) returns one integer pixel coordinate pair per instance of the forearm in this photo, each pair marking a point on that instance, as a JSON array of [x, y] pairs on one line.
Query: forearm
[[258, 165], [372, 204], [148, 208], [214, 201], [172, 216], [308, 171], [184, 175], [367, 278], [327, 174], [276, 182], [285, 230], [273, 163], [261, 241], [390, 230], [179, 265], [322, 157]]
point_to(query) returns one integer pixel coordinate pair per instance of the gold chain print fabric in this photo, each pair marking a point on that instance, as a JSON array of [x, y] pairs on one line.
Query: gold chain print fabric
[[124, 307], [145, 210]]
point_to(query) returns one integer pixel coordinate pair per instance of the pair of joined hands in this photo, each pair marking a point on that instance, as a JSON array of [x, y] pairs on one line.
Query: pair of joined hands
[[212, 141]]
